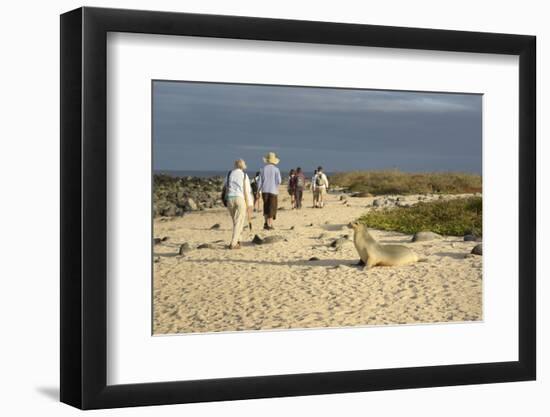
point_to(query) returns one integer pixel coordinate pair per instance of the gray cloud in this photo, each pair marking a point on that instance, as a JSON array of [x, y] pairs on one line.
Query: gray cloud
[[204, 126]]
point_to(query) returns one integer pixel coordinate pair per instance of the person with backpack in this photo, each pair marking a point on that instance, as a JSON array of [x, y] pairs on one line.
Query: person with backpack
[[255, 184], [300, 183], [321, 187], [292, 188], [313, 192], [238, 199]]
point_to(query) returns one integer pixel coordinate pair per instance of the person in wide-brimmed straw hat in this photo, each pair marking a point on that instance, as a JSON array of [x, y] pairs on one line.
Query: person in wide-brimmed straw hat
[[270, 179], [271, 158]]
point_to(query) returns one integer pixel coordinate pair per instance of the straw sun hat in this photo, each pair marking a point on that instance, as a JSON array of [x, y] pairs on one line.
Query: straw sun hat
[[271, 158]]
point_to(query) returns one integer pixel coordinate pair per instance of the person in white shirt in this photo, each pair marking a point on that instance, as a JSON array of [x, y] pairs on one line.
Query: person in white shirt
[[239, 200], [321, 187], [313, 179]]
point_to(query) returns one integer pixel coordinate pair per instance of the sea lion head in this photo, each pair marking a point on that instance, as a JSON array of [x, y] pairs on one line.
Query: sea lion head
[[354, 225]]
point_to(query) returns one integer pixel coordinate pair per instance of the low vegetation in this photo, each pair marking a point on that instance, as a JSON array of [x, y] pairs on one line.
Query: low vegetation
[[398, 182], [456, 217]]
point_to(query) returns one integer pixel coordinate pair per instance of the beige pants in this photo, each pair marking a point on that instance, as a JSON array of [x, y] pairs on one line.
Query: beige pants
[[237, 211]]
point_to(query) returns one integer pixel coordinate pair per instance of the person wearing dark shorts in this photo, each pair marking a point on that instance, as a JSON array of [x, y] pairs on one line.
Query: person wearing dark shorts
[[270, 179], [270, 205], [292, 187], [300, 183]]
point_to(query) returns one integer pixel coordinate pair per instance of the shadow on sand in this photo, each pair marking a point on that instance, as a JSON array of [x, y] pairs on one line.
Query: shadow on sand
[[453, 255], [305, 262]]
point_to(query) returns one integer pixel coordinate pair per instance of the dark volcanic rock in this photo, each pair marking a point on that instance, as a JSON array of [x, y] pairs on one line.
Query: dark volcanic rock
[[173, 196], [170, 211], [184, 247], [472, 238], [257, 240], [477, 250], [339, 243]]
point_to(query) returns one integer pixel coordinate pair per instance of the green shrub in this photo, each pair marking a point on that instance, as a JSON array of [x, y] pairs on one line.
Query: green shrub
[[452, 218], [397, 182]]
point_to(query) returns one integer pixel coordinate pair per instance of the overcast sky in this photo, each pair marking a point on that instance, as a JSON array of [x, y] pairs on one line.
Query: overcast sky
[[206, 126]]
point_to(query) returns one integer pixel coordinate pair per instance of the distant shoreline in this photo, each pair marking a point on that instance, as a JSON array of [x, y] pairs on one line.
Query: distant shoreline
[[210, 174], [308, 174]]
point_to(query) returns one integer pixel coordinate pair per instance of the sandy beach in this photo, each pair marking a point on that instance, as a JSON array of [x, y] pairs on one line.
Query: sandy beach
[[277, 286]]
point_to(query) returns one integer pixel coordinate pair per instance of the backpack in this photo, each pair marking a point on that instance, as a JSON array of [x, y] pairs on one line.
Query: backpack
[[319, 181], [254, 185], [300, 182], [224, 190]]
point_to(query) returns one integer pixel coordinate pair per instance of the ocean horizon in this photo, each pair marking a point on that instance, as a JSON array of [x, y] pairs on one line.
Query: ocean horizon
[[250, 172], [212, 173]]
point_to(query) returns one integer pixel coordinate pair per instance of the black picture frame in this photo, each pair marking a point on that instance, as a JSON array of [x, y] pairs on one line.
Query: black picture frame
[[84, 207]]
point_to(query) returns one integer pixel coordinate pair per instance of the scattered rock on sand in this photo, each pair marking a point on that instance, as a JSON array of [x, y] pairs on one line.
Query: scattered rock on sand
[[257, 240], [478, 249], [292, 228], [314, 258], [215, 227], [170, 211], [190, 205], [425, 236], [339, 243], [184, 247], [273, 239], [205, 246], [471, 238], [362, 194]]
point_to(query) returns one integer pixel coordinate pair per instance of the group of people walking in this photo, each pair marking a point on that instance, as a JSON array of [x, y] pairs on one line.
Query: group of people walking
[[297, 184], [242, 195]]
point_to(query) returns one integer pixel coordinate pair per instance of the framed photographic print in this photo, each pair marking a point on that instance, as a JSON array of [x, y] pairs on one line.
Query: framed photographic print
[[257, 208]]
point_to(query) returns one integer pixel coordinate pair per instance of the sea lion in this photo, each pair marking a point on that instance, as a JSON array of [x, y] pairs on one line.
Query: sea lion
[[373, 253]]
